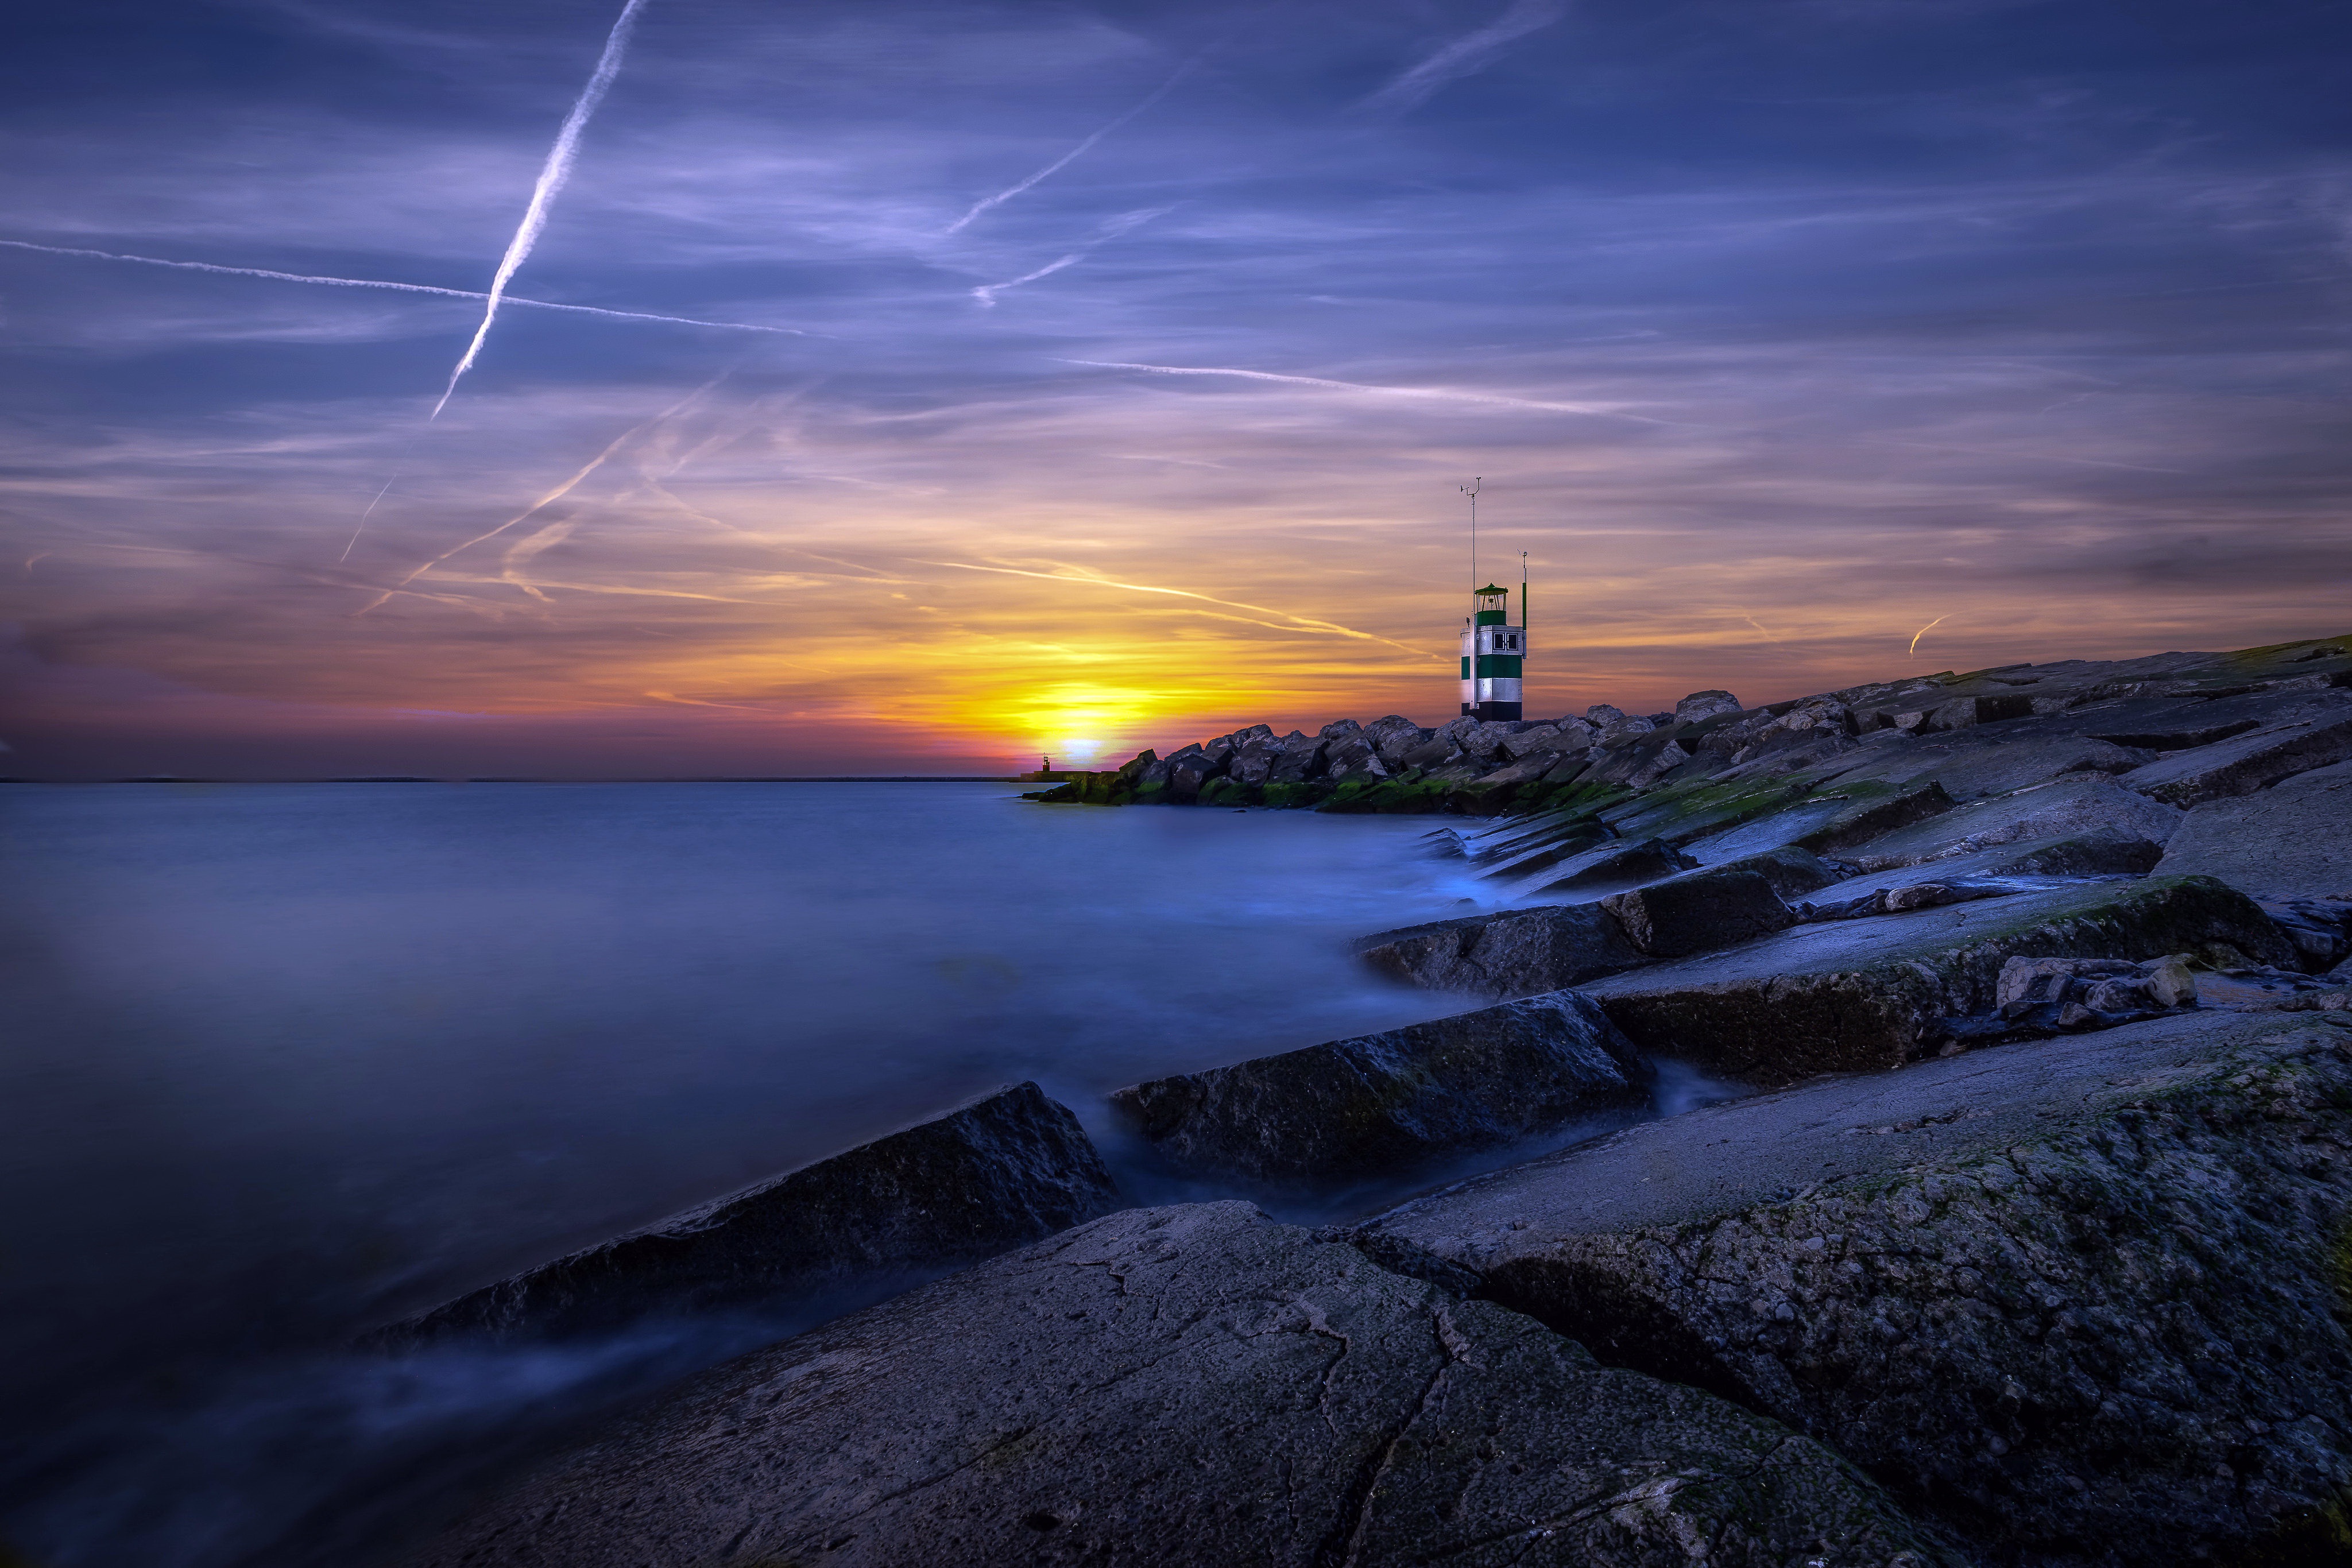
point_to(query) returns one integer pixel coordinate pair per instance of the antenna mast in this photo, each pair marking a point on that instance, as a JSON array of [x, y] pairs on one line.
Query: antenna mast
[[1471, 490], [1524, 620]]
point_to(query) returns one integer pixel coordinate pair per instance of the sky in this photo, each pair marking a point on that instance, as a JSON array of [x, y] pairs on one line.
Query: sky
[[944, 386]]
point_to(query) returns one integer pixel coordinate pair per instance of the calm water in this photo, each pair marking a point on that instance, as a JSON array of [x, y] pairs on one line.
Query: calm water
[[284, 1062]]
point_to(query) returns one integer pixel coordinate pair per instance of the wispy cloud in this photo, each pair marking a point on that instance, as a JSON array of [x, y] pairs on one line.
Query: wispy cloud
[[1080, 151], [1466, 55], [1081, 575], [1450, 394]]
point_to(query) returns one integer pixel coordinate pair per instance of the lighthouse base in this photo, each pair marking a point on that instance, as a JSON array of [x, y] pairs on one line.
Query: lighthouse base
[[1490, 712]]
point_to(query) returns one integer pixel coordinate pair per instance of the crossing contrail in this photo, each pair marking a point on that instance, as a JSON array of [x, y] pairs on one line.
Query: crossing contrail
[[398, 288], [1082, 149], [551, 177]]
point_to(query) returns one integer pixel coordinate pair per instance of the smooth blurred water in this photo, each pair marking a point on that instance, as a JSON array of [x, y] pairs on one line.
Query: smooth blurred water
[[283, 1061]]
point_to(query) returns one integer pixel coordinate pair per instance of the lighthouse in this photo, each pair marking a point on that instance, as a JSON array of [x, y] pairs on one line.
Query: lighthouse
[[1492, 652]]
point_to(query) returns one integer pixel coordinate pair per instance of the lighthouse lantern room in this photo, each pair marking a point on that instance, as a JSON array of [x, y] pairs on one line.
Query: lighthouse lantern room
[[1493, 650]]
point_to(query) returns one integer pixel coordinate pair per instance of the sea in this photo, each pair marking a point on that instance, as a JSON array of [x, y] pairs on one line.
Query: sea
[[284, 1062]]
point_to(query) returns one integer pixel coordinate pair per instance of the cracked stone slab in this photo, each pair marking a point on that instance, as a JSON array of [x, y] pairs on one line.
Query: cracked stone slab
[[1195, 1385], [2080, 1301]]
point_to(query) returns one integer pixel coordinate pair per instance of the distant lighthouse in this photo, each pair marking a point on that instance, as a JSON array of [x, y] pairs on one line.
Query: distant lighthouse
[[1492, 653], [1493, 650]]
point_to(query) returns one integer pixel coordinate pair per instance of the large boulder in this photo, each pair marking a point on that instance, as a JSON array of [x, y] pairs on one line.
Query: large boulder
[[1864, 994], [1301, 758], [1383, 1102], [994, 1174], [1512, 953], [2315, 735], [1187, 1387], [2079, 1302], [2293, 840], [1700, 706]]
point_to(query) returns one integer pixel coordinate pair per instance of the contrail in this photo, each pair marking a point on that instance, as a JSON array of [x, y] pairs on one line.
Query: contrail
[[551, 497], [1092, 580], [1082, 149], [1362, 387], [1126, 223], [551, 177], [400, 287], [1923, 631], [986, 294], [1466, 54]]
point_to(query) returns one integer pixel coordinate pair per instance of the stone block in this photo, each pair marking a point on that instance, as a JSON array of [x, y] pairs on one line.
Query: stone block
[[1862, 996], [2293, 840], [1698, 910], [997, 1173], [2078, 1302], [2242, 764], [1380, 1104]]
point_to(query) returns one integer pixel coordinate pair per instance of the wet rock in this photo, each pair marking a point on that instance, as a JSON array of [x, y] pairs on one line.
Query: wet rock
[[1187, 1387], [1640, 764], [1963, 712], [1616, 865], [1706, 705], [1301, 758], [1699, 910], [1253, 761], [1353, 757], [1381, 1102], [1394, 737], [1976, 764], [1494, 793], [1791, 872], [1900, 900], [2069, 808], [1843, 815], [2078, 1301], [1857, 996], [1515, 953], [2320, 929], [2088, 854], [2319, 735], [1530, 740], [2293, 840], [1188, 772], [996, 1173]]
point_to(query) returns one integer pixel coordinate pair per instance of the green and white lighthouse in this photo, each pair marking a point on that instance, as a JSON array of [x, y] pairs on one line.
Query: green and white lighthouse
[[1493, 652]]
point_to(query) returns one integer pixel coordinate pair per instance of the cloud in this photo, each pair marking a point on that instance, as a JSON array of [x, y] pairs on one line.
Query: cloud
[[1466, 56]]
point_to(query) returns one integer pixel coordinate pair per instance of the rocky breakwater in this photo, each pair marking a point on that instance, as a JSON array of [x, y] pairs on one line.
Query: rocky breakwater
[[2031, 1247], [2252, 717]]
